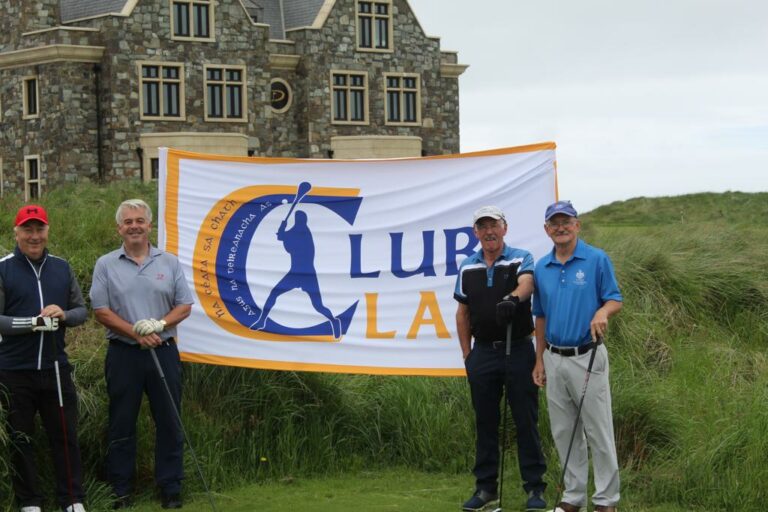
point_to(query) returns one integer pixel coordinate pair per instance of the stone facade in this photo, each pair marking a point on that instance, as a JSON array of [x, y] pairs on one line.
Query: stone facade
[[88, 71]]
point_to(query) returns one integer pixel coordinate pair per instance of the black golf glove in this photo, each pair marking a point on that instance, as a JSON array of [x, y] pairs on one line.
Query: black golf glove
[[505, 310]]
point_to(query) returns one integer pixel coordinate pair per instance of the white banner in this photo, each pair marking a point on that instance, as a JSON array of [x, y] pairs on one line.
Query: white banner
[[338, 266]]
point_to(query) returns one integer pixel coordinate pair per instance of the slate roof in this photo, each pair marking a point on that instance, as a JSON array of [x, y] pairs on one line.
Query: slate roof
[[76, 9], [280, 15]]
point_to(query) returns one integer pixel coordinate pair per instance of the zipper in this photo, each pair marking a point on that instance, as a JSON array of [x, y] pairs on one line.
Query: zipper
[[40, 294]]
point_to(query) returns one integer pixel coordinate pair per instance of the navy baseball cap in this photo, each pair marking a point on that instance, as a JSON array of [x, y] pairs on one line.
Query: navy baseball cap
[[564, 207]]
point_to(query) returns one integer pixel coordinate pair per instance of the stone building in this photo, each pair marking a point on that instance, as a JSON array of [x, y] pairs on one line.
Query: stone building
[[90, 88]]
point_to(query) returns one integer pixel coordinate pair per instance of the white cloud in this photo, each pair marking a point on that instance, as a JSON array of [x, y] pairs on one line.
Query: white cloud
[[643, 98]]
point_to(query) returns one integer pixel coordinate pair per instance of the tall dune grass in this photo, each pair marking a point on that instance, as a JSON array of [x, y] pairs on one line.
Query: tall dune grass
[[689, 370]]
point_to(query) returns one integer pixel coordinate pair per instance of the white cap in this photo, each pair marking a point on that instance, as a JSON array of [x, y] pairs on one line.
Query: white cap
[[493, 212]]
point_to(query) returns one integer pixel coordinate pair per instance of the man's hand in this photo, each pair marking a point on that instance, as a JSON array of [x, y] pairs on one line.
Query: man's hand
[[45, 323], [599, 324], [505, 310], [149, 326], [539, 375]]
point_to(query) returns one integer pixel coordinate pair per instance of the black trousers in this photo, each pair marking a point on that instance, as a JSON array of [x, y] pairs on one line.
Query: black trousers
[[487, 373], [25, 393], [130, 372]]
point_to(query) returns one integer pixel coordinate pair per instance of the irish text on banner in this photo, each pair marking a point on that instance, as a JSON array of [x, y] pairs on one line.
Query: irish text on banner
[[339, 266]]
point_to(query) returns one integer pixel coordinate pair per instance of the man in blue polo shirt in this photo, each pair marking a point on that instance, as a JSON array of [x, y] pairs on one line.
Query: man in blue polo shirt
[[576, 294], [493, 289]]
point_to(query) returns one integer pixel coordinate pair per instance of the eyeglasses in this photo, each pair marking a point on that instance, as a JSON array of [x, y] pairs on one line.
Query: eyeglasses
[[562, 224], [489, 225]]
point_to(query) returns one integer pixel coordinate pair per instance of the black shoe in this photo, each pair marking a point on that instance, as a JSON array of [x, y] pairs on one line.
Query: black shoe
[[481, 501], [122, 502], [172, 500]]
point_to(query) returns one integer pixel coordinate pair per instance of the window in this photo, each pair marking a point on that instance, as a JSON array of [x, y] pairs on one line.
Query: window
[[403, 99], [225, 93], [32, 180], [374, 25], [154, 168], [31, 95], [192, 19], [161, 91], [349, 93]]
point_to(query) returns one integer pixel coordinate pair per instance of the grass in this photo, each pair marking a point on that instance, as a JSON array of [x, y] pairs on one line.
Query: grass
[[689, 380]]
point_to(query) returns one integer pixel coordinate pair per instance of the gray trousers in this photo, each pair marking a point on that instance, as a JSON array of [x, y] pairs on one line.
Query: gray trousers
[[565, 383]]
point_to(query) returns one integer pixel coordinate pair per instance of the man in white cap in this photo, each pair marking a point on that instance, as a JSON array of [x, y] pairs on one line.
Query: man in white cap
[[493, 290], [576, 294]]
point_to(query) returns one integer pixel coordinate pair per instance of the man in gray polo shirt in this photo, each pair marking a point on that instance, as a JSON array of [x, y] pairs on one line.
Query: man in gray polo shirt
[[139, 294]]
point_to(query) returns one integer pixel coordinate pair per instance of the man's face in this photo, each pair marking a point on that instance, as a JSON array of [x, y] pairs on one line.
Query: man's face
[[562, 229], [135, 226], [491, 233], [32, 237]]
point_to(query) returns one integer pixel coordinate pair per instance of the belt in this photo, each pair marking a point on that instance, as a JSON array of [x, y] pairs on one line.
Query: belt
[[574, 351], [502, 344], [119, 343]]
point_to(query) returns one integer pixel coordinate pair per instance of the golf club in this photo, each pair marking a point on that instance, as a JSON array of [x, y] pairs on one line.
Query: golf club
[[576, 422], [505, 405], [181, 424], [64, 430]]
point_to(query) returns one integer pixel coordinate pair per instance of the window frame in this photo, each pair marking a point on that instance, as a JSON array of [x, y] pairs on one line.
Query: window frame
[[402, 90], [192, 20], [225, 103], [25, 94], [37, 182], [161, 81], [349, 88], [374, 17]]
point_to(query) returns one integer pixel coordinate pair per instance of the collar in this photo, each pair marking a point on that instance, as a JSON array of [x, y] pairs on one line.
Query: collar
[[153, 251], [19, 254], [580, 253], [504, 253]]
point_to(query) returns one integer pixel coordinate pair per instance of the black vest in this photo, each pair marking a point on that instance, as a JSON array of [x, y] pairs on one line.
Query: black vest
[[33, 350]]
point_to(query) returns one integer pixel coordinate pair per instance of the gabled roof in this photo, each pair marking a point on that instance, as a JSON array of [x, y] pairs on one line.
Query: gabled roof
[[301, 13], [282, 15], [76, 9], [269, 12]]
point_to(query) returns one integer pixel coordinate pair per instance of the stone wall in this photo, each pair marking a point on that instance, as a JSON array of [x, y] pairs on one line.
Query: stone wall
[[65, 133]]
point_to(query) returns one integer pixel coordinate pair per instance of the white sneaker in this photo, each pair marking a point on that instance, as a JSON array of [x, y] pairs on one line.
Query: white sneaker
[[77, 507], [31, 509]]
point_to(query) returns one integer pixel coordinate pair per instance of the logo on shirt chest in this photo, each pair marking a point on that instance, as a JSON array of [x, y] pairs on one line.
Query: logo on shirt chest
[[160, 276], [580, 275]]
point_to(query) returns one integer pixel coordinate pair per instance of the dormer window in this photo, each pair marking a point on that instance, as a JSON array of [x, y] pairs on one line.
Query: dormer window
[[192, 20], [374, 26]]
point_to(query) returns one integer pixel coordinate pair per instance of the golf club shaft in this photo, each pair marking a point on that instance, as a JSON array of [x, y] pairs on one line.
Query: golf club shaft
[[578, 417], [67, 460], [181, 425], [504, 405]]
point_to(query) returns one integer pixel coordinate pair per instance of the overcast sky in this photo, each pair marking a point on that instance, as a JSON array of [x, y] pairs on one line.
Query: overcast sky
[[643, 98]]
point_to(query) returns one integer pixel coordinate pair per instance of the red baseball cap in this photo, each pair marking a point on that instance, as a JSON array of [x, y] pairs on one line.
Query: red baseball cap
[[31, 212]]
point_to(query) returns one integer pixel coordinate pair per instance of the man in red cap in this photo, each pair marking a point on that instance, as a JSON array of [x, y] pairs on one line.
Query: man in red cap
[[39, 299]]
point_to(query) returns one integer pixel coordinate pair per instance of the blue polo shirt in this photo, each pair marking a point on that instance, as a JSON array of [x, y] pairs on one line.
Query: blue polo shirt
[[569, 295]]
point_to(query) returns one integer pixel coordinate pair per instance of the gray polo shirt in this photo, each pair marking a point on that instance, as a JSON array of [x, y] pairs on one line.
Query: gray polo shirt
[[135, 292]]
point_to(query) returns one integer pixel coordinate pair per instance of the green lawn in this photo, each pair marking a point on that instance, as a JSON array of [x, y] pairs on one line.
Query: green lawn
[[381, 491]]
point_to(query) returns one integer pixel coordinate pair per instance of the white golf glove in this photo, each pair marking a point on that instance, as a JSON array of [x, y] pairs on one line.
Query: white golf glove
[[147, 327], [45, 323]]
